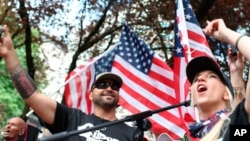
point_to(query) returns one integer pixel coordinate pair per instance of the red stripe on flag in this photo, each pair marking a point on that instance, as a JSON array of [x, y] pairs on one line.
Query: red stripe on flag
[[147, 85], [67, 93]]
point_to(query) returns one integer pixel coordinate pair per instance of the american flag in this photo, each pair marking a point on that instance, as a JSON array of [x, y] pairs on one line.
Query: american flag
[[190, 42], [148, 82]]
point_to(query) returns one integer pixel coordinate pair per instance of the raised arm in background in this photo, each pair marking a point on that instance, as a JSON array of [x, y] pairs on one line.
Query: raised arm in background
[[41, 104], [236, 68]]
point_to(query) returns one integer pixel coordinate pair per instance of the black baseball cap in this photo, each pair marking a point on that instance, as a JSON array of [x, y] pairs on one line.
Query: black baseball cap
[[108, 75], [201, 63]]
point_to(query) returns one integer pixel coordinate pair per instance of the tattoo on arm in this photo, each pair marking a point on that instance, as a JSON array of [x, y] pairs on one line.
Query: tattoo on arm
[[24, 84]]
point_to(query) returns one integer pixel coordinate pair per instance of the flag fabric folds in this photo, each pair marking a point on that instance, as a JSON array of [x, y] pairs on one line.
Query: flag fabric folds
[[148, 83], [77, 88], [190, 42]]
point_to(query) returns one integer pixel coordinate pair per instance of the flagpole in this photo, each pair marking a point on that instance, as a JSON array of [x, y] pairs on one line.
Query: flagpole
[[188, 52]]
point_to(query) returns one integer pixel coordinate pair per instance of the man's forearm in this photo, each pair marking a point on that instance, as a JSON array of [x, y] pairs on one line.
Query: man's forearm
[[24, 84]]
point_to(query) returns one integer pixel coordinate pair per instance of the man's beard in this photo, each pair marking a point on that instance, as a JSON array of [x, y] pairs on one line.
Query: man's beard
[[106, 103]]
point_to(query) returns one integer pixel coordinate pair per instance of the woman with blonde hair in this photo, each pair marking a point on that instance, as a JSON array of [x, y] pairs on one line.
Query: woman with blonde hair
[[240, 115], [211, 93]]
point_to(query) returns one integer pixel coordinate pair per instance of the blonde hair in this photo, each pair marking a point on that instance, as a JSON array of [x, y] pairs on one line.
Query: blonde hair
[[230, 98]]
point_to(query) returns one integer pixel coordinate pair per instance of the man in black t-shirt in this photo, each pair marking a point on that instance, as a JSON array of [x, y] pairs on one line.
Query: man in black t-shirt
[[58, 118], [105, 97]]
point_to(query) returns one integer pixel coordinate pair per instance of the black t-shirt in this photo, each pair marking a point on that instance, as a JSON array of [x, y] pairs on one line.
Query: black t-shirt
[[69, 119], [238, 117]]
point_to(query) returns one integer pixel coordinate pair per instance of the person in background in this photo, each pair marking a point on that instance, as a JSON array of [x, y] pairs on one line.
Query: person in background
[[236, 69], [240, 115], [57, 117], [14, 129]]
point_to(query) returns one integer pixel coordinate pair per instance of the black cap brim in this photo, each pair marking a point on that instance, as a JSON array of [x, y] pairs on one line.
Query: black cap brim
[[108, 75]]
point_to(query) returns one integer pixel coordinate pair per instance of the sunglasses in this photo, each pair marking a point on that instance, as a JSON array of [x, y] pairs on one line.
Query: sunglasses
[[105, 85]]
